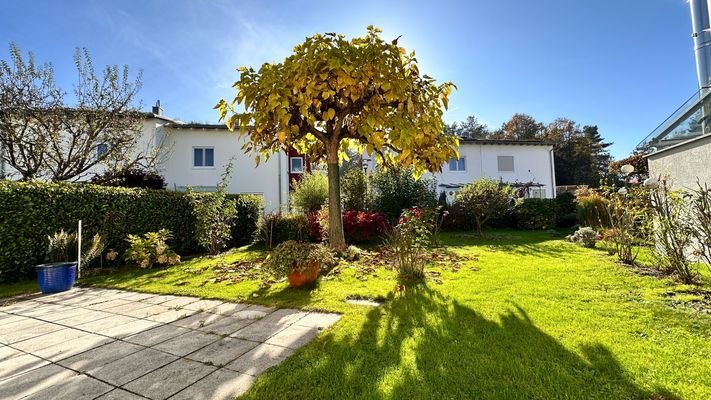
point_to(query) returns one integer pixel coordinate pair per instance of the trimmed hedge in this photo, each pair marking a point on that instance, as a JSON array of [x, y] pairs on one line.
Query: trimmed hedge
[[30, 211], [534, 214]]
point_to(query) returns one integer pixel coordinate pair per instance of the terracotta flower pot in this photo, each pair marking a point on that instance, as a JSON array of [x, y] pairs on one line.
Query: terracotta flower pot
[[304, 276]]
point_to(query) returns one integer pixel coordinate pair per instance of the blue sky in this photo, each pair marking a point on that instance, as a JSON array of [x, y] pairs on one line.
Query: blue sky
[[623, 65]]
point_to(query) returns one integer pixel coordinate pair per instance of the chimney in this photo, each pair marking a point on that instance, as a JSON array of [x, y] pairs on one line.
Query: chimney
[[157, 110], [702, 40]]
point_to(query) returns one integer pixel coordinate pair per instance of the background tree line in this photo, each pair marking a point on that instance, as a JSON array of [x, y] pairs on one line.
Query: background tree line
[[581, 155]]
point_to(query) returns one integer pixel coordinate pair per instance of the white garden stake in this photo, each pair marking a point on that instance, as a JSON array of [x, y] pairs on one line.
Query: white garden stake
[[79, 251]]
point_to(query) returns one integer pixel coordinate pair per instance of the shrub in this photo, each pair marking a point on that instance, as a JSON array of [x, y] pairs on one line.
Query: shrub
[[64, 246], [672, 233], [31, 211], [358, 226], [310, 193], [535, 214], [354, 190], [628, 220], [586, 237], [395, 190], [482, 200], [131, 178], [152, 248], [699, 201], [407, 244], [214, 215], [276, 228], [244, 225], [292, 255], [592, 210], [566, 210]]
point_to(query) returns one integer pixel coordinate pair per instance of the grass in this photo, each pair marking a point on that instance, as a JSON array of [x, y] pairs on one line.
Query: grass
[[530, 316], [14, 289]]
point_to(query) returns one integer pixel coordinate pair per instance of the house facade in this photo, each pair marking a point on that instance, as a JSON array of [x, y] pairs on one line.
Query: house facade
[[524, 164], [195, 156]]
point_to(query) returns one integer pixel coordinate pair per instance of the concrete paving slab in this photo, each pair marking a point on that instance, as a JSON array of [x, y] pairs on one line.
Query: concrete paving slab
[[129, 308], [203, 305], [170, 315], [120, 394], [186, 343], [25, 329], [149, 310], [50, 339], [259, 331], [197, 320], [133, 366], [87, 343], [223, 351], [19, 364], [318, 320], [80, 387], [222, 384], [259, 359], [130, 328], [33, 381], [156, 335], [96, 358], [106, 324], [72, 347], [82, 318], [293, 336], [159, 299], [225, 325], [180, 374], [180, 302], [108, 305], [228, 308], [7, 352]]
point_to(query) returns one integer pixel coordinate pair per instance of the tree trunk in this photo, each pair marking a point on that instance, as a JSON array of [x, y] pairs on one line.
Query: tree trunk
[[335, 221]]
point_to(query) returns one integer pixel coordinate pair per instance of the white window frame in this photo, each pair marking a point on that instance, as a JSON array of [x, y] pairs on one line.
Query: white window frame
[[513, 163], [291, 165], [203, 157], [457, 161]]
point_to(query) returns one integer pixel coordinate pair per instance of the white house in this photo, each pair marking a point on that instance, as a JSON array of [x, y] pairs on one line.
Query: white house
[[520, 163], [196, 155]]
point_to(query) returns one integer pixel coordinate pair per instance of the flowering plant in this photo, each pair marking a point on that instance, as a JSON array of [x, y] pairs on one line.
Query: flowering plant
[[150, 249], [407, 243]]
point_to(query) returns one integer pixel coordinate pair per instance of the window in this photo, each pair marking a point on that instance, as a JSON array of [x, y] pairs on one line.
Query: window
[[458, 165], [505, 163], [101, 149], [203, 157], [296, 165]]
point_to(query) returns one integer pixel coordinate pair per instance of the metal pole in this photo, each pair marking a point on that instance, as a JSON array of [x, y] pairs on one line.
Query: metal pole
[[79, 251]]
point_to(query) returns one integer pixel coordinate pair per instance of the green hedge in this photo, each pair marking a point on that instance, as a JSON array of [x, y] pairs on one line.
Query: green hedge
[[536, 214], [30, 211]]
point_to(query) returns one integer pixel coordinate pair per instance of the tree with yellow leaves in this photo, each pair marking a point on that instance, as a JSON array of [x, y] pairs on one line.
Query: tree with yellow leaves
[[333, 94]]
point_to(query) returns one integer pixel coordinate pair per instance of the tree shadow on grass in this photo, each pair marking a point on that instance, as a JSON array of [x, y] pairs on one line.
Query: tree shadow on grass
[[425, 345]]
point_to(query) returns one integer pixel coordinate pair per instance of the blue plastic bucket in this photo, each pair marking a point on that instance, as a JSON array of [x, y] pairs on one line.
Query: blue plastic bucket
[[56, 277]]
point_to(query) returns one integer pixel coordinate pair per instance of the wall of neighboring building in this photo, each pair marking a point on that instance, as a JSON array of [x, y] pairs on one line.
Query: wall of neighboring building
[[267, 180], [683, 164], [531, 163]]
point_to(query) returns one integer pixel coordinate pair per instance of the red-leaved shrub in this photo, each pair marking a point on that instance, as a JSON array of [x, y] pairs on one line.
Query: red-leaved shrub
[[358, 226]]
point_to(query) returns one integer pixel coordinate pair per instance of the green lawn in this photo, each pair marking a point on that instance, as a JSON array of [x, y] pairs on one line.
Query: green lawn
[[15, 289], [530, 316]]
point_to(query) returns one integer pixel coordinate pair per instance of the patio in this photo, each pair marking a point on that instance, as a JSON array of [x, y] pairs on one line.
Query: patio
[[113, 344]]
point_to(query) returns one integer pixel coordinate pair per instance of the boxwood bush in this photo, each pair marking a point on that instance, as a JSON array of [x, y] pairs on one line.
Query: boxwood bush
[[30, 211]]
